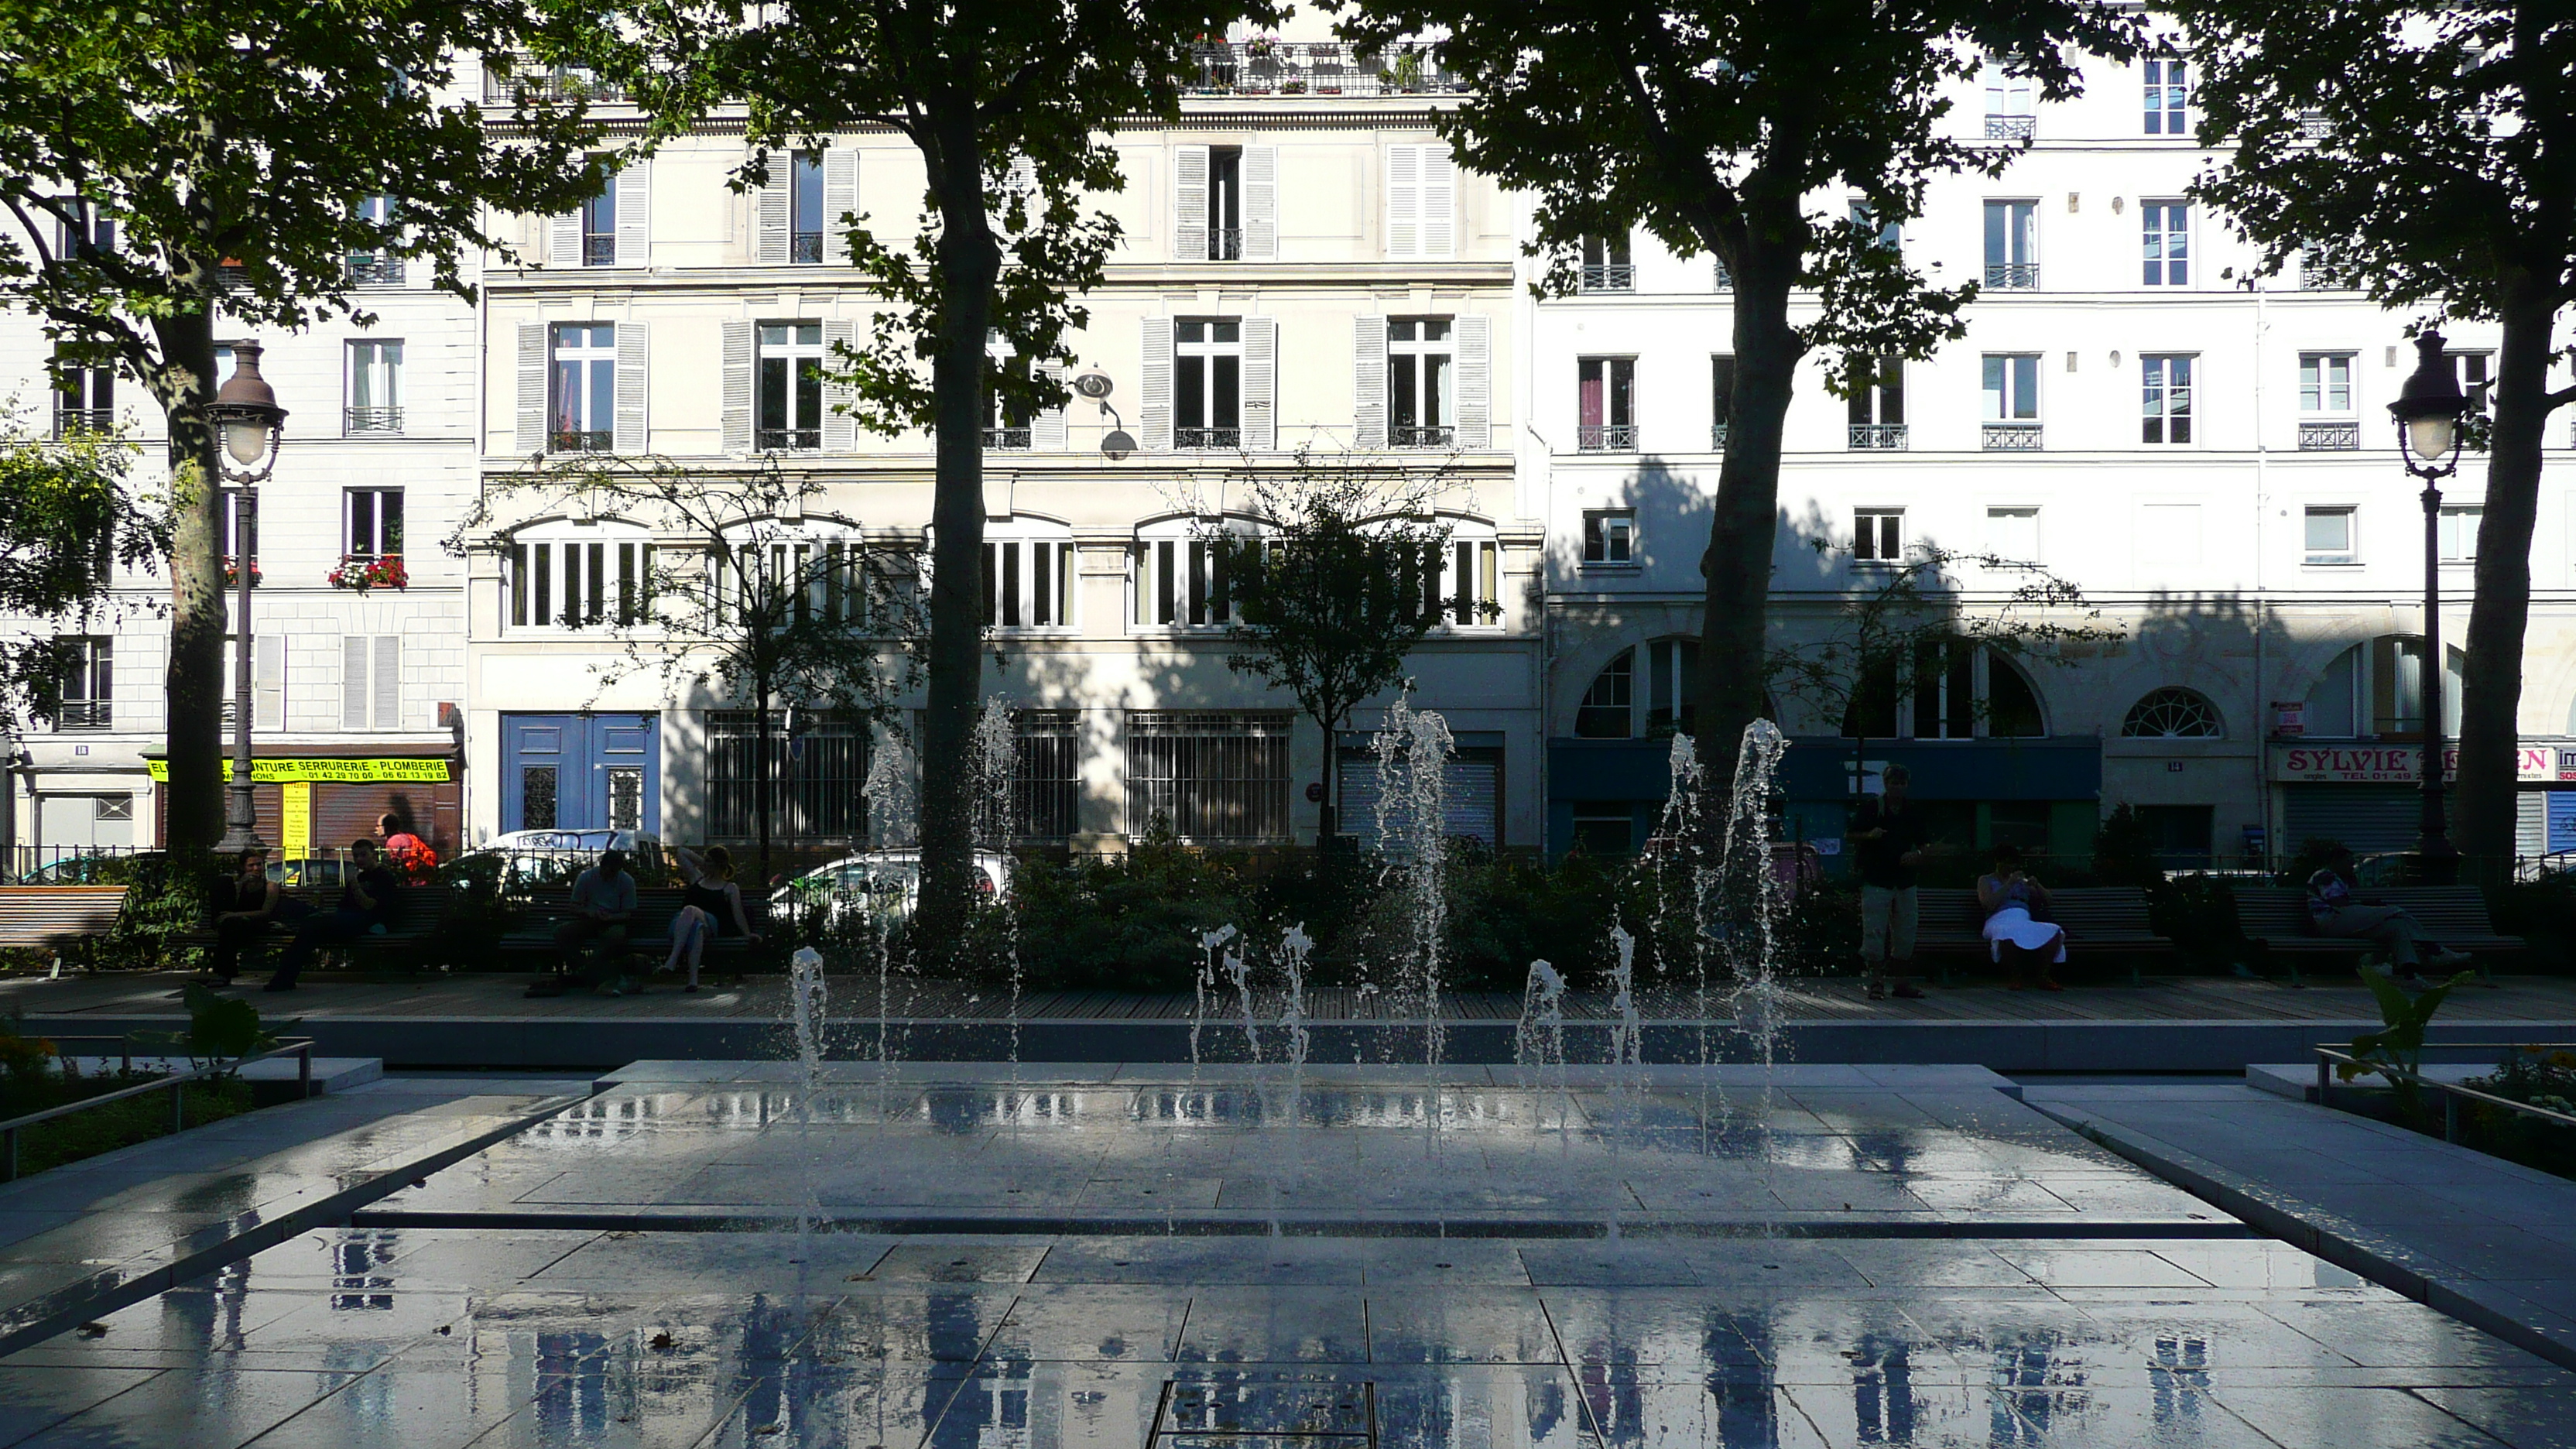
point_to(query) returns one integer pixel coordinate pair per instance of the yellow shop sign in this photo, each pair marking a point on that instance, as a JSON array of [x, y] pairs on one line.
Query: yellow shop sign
[[354, 772]]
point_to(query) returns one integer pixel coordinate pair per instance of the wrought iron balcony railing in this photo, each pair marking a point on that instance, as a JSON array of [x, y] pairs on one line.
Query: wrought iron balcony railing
[[1606, 437], [599, 250], [2337, 437], [2011, 128], [1207, 437], [506, 80], [1615, 277], [581, 442], [1322, 68], [1225, 244], [1877, 437], [84, 714], [790, 440], [2010, 437], [2012, 276], [1007, 439], [1420, 435], [374, 269], [75, 422], [805, 247], [354, 421]]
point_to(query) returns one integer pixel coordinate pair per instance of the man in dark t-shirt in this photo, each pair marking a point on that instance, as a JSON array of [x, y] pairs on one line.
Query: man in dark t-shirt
[[366, 907], [1887, 844]]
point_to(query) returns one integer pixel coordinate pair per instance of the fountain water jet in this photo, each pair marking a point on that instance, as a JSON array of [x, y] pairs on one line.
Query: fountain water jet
[[1413, 753]]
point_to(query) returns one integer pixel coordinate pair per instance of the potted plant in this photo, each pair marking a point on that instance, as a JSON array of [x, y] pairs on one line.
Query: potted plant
[[232, 573], [359, 573]]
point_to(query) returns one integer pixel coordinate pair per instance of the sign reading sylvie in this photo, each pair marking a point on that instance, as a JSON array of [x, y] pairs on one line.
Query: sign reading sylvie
[[2391, 764], [361, 772]]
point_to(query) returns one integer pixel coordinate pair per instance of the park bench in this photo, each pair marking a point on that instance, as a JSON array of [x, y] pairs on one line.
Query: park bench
[[417, 911], [2096, 918], [648, 930], [2276, 919], [55, 917]]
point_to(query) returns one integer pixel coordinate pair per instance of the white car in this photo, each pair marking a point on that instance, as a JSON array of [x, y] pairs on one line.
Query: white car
[[554, 857], [881, 880]]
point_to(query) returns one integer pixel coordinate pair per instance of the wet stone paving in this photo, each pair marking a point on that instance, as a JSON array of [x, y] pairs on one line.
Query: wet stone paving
[[1883, 1256]]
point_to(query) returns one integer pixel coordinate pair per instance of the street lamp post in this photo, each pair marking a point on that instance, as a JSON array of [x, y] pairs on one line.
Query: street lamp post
[[251, 427], [2428, 412]]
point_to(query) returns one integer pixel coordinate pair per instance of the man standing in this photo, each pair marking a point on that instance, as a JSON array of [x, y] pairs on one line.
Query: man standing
[[603, 900], [406, 850], [1887, 844], [366, 908]]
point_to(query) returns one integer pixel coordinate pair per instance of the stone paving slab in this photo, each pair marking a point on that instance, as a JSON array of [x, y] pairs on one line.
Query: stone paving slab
[[2475, 1236], [116, 1228]]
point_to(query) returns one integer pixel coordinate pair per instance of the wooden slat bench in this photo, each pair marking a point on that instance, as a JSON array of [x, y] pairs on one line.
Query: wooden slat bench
[[417, 911], [2096, 918], [648, 930], [44, 917], [2276, 918]]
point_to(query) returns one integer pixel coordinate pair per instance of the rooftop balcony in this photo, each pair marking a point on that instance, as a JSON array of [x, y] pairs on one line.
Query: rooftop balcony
[[1319, 68]]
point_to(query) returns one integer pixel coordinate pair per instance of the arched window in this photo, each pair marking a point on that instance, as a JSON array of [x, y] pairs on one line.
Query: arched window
[[1646, 693], [817, 566], [568, 575], [1470, 584], [1954, 691], [1179, 579], [1028, 574], [2172, 713], [2376, 690]]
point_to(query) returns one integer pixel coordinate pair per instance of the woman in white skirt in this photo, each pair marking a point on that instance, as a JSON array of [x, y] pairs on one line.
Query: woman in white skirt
[[2015, 933]]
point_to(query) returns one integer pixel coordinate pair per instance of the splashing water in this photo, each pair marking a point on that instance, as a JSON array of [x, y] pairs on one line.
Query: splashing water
[[1413, 833], [1294, 946], [1239, 971], [1210, 943], [808, 1004], [1538, 1040], [1752, 939], [993, 768]]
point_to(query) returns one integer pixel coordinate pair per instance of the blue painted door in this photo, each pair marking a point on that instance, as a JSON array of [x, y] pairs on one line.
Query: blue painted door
[[581, 772]]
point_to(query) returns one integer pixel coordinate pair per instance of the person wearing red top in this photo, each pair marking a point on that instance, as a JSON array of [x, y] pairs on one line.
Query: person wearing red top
[[409, 853]]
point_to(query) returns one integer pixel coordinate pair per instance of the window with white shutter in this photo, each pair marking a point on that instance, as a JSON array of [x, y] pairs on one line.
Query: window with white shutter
[[1154, 410], [1260, 203], [631, 352], [1475, 383], [356, 680], [388, 682], [1047, 429], [528, 437], [840, 198], [1260, 383], [840, 429], [267, 686], [1368, 377], [635, 214], [570, 576], [736, 434], [770, 206], [1190, 204], [1421, 201]]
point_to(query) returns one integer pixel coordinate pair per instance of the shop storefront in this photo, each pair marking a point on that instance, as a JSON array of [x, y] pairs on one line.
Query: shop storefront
[[2370, 797], [311, 803]]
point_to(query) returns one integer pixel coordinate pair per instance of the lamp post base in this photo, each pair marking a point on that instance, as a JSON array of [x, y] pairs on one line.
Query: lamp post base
[[241, 832]]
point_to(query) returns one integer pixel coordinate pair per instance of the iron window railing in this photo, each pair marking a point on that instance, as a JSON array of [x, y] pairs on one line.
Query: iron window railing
[[84, 714], [371, 420], [1324, 68], [790, 440], [581, 442], [72, 422], [2011, 128], [1606, 438], [1007, 439], [1225, 244], [1610, 277], [1207, 437], [1210, 776], [371, 269], [2010, 437], [2333, 437], [2012, 276], [1419, 435], [1877, 437], [599, 250], [805, 246], [507, 82], [1717, 437]]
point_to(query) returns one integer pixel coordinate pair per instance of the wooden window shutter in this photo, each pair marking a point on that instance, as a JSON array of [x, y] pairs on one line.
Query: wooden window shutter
[[635, 214], [1260, 203], [840, 199], [1439, 202], [1190, 204], [1475, 343], [840, 429], [1260, 383], [1154, 411], [737, 385], [389, 682], [354, 681], [769, 208], [629, 435], [1368, 382], [529, 437], [1047, 429], [563, 239], [1404, 201]]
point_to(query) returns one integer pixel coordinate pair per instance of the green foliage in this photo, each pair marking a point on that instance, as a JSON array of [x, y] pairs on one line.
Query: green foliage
[[224, 1029], [2399, 1043], [65, 516], [165, 897]]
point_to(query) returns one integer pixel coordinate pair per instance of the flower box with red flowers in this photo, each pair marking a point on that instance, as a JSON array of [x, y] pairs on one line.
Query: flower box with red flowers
[[359, 573], [232, 573]]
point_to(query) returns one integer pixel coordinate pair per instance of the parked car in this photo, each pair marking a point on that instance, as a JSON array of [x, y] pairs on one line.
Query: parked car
[[887, 881], [316, 873], [529, 858], [85, 869]]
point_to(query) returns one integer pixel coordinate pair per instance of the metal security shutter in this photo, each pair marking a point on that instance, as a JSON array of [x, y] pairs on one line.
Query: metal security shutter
[[2363, 817], [1475, 782], [344, 812], [2531, 823]]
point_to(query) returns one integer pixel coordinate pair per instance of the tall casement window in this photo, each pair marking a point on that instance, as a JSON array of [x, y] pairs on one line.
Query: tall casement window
[[599, 226], [371, 692], [790, 387], [2476, 372], [1607, 266], [2327, 417], [1028, 575], [1721, 399], [572, 576], [2012, 245], [1466, 589], [2377, 688], [805, 207], [1006, 421], [1953, 691], [1208, 776], [1642, 693], [375, 268], [87, 686], [82, 229], [1877, 406], [1181, 579], [2164, 398], [2011, 401], [374, 387], [2166, 242], [1889, 235], [2009, 102], [1226, 203], [1046, 775], [807, 782], [1422, 406], [85, 398], [583, 395], [1878, 535], [375, 519], [814, 572], [612, 228], [1606, 399], [241, 529], [1207, 382], [795, 211], [2168, 98]]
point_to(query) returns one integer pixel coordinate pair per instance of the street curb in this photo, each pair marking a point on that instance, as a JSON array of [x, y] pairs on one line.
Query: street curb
[[2347, 1245], [232, 1239]]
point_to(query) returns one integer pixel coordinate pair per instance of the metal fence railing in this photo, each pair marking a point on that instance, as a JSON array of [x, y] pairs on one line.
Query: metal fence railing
[[176, 1084], [2452, 1093]]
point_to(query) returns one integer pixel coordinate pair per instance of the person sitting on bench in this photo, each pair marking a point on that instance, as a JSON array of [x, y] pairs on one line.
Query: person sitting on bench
[[366, 908], [2333, 910], [255, 901], [603, 902], [711, 900]]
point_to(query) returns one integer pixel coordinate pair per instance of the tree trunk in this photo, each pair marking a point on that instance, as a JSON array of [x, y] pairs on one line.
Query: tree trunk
[[765, 791], [2491, 681], [1741, 536], [968, 263], [193, 796]]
